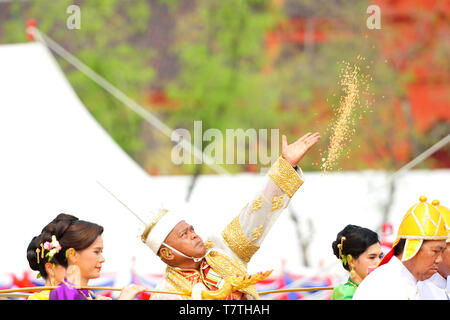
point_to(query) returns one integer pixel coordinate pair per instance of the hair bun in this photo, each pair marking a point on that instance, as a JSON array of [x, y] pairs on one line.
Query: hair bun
[[58, 226], [31, 252], [335, 247]]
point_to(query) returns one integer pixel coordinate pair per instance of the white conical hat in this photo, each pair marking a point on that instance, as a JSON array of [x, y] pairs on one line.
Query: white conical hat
[[159, 228]]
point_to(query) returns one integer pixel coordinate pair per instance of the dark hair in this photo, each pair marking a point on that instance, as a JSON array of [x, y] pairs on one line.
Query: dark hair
[[70, 232], [398, 249], [358, 239]]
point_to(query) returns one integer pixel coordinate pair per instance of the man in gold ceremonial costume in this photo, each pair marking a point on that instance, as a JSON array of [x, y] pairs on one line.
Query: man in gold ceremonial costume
[[437, 287], [415, 256], [205, 270]]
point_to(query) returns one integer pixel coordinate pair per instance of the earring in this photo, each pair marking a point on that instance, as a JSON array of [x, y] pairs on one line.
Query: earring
[[71, 270], [352, 274], [67, 253]]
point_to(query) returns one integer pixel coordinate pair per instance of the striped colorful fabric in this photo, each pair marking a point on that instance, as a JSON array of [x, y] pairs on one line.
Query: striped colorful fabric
[[211, 278]]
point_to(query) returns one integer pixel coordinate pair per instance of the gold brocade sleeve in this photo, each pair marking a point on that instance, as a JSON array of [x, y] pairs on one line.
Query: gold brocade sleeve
[[247, 231], [234, 237], [285, 176]]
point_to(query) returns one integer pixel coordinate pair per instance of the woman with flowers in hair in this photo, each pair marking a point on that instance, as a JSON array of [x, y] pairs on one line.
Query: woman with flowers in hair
[[50, 270], [359, 250], [75, 245]]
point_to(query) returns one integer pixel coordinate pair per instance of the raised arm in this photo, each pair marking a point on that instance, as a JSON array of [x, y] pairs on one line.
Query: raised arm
[[244, 235]]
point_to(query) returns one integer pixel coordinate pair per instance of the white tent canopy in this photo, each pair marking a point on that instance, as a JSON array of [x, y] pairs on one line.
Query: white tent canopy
[[54, 152]]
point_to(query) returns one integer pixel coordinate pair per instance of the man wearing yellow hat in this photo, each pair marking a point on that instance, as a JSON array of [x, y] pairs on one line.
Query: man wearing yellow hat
[[415, 256], [197, 267], [437, 287]]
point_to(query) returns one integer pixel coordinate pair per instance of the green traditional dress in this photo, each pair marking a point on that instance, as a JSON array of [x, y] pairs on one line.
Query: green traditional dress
[[344, 291]]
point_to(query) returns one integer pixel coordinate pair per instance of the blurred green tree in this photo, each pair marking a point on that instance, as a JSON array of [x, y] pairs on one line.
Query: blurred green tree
[[106, 43], [220, 47]]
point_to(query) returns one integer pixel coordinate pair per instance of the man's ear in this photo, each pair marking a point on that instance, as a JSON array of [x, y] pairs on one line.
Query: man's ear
[[165, 253]]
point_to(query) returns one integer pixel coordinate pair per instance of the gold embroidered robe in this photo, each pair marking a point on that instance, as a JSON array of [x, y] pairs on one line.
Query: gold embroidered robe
[[242, 237]]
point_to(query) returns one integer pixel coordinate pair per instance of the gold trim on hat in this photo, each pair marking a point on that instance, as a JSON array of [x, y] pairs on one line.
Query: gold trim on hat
[[423, 237], [152, 223], [412, 246]]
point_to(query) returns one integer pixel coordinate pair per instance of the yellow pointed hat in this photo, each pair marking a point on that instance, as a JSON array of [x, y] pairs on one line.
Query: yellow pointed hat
[[445, 212], [423, 221]]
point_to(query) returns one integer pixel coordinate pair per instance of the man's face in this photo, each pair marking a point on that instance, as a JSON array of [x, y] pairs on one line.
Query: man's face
[[444, 266], [427, 260], [184, 239]]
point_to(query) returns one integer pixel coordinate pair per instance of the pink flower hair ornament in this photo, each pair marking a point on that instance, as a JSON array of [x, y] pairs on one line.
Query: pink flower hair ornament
[[53, 248]]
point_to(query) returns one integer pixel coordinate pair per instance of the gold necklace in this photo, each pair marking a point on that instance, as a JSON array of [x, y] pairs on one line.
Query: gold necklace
[[353, 283], [69, 285], [89, 297]]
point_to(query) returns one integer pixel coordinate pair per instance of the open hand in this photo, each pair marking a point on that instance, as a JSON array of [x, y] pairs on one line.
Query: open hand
[[294, 152], [130, 291]]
